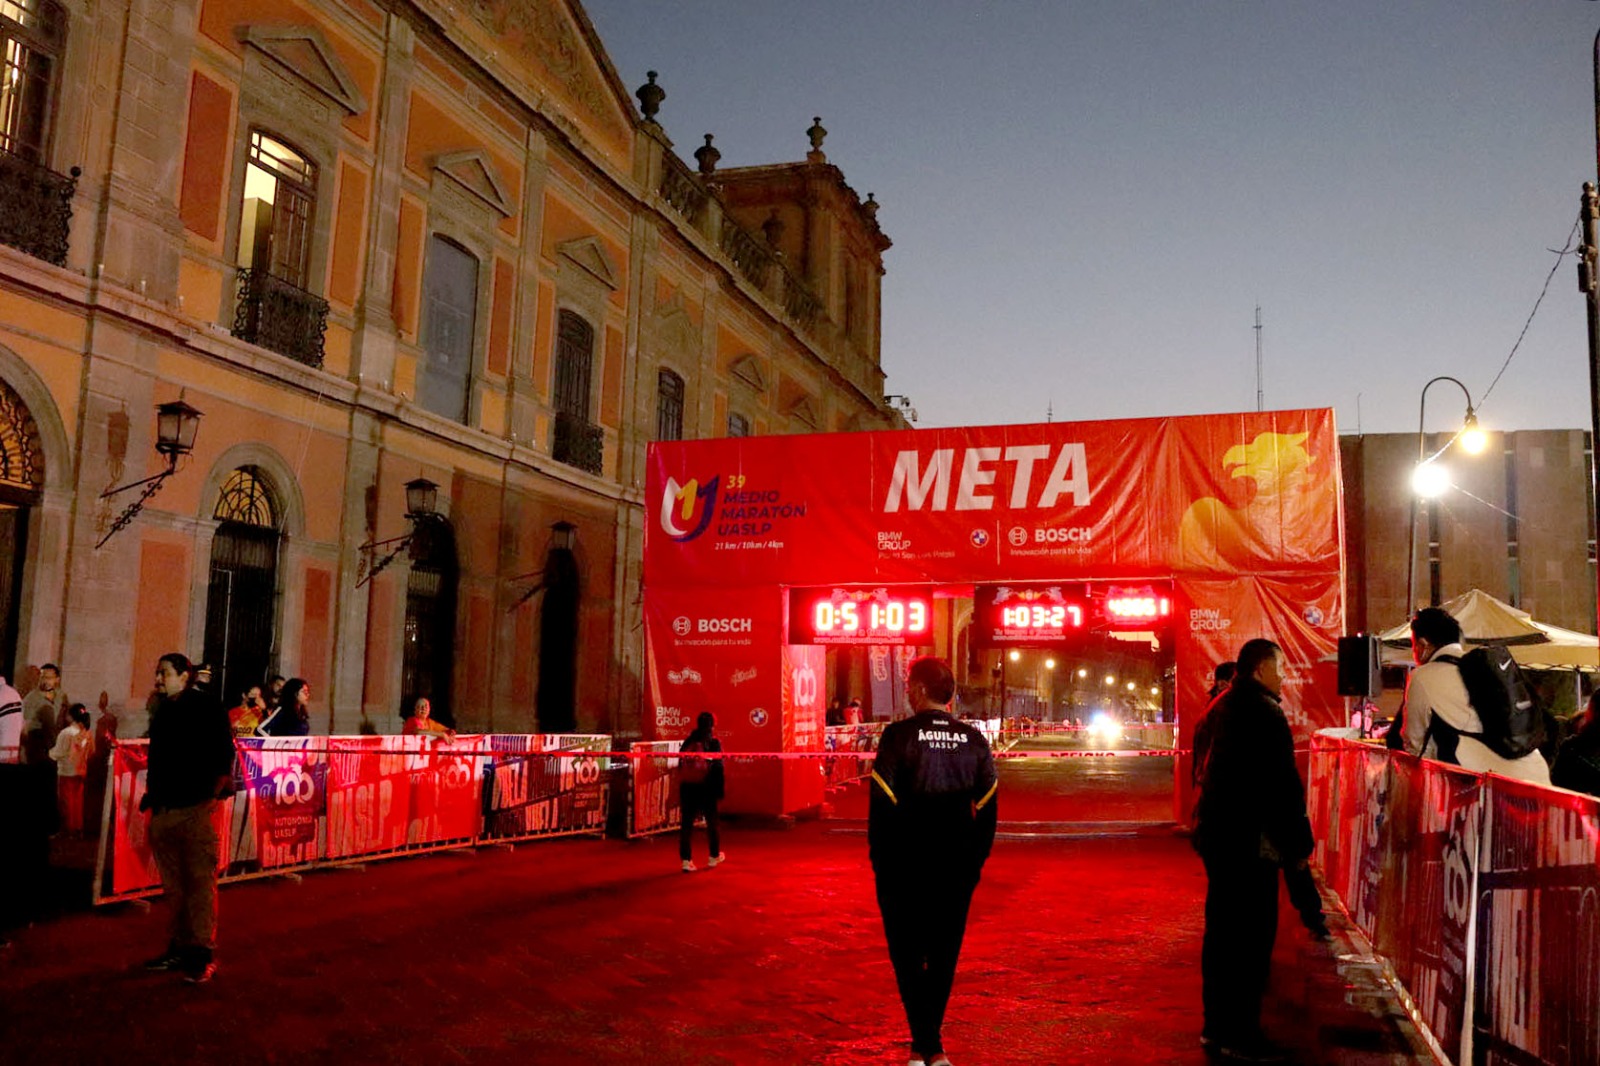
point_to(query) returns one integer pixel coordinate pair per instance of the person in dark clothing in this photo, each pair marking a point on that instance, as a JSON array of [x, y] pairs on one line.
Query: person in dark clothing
[[190, 768], [1221, 681], [293, 716], [1577, 764], [1251, 819], [930, 828], [701, 785]]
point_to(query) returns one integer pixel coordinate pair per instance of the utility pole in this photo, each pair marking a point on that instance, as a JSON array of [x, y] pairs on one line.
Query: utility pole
[[1261, 404], [1586, 283]]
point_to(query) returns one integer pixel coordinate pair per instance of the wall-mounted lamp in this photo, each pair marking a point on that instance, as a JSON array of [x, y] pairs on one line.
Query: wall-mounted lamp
[[422, 502], [903, 405], [176, 426], [563, 537]]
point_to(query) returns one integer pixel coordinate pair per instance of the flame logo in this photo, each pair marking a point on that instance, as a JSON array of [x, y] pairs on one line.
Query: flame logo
[[693, 504]]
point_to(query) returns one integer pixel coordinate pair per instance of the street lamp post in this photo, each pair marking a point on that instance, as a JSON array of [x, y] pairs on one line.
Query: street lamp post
[[1430, 479]]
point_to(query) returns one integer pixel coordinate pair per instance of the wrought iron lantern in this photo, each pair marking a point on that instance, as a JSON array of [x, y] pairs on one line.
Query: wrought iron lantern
[[176, 426], [422, 501]]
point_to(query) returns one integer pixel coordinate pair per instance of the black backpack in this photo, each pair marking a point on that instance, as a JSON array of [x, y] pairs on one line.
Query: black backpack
[[1508, 711]]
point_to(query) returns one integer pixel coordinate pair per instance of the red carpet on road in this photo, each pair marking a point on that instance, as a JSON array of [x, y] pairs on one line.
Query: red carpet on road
[[589, 951]]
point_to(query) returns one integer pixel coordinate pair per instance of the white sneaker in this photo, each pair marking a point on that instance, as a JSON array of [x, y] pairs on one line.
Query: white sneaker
[[688, 867], [716, 859]]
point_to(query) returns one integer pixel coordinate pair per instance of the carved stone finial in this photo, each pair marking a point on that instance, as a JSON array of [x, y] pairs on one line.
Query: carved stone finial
[[871, 207], [772, 228], [707, 155], [650, 96], [816, 133]]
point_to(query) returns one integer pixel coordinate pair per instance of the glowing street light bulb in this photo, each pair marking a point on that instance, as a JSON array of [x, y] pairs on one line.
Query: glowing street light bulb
[[1111, 679], [1430, 479], [1015, 655], [1155, 690], [1083, 671], [1473, 438], [1130, 686], [1049, 664]]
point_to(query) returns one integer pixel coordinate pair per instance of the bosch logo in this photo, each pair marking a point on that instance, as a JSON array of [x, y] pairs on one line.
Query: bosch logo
[[724, 625], [1018, 536], [1073, 535], [979, 538], [680, 626], [758, 716]]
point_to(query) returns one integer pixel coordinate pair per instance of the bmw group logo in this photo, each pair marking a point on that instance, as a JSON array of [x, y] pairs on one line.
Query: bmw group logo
[[758, 716], [1312, 615], [1018, 536], [979, 538], [680, 626]]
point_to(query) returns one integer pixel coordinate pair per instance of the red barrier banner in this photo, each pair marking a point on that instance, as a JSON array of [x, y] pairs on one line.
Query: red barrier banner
[[286, 782], [655, 806], [1537, 993], [530, 794], [369, 790]]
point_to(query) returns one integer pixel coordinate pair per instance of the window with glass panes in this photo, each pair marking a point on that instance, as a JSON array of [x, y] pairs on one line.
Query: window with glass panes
[[32, 40], [280, 198], [669, 406]]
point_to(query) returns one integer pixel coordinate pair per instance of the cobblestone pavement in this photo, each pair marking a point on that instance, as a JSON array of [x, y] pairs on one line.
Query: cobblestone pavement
[[1080, 950]]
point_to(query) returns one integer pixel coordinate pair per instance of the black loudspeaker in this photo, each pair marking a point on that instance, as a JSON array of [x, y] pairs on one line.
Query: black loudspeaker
[[1359, 667]]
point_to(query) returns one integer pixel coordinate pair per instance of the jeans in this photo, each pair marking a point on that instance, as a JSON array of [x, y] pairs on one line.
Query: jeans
[[924, 922]]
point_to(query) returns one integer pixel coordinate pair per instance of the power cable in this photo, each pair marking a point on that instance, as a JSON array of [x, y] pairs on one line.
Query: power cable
[[1560, 255]]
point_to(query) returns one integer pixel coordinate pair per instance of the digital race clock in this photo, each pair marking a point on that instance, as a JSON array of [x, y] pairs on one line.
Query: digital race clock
[[1028, 614], [857, 614]]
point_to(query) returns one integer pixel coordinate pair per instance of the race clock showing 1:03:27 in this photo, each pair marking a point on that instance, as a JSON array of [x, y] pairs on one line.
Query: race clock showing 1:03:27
[[861, 614]]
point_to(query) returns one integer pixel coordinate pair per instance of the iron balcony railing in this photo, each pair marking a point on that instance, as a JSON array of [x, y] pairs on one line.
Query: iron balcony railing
[[578, 443], [281, 317], [35, 207]]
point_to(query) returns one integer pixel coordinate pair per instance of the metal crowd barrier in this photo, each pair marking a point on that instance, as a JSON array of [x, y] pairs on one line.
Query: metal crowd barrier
[[653, 787], [306, 802], [1481, 893]]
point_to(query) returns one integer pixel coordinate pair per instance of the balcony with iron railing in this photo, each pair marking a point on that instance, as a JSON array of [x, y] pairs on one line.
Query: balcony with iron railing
[[281, 317], [578, 443], [35, 207]]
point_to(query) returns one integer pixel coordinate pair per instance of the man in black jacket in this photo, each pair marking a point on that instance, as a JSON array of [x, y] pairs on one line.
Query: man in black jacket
[[929, 830], [1251, 818]]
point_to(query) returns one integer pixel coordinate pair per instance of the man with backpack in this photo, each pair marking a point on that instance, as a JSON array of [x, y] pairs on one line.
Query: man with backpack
[[700, 787], [1470, 708]]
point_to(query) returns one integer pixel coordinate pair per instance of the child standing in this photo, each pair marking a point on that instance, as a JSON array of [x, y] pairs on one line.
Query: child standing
[[71, 753]]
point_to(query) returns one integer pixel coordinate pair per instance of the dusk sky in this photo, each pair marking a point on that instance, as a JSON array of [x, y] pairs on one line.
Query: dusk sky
[[1088, 200]]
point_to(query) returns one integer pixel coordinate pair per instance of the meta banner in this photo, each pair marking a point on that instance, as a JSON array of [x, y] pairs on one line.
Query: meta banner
[[1239, 493]]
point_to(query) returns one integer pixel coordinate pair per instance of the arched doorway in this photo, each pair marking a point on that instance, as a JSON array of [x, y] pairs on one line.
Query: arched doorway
[[241, 602], [430, 618], [558, 644], [21, 484]]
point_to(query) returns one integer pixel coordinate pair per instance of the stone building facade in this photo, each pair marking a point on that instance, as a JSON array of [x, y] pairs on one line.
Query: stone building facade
[[378, 243], [1518, 523]]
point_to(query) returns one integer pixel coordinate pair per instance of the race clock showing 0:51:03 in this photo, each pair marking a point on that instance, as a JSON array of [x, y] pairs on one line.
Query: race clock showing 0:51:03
[[860, 614]]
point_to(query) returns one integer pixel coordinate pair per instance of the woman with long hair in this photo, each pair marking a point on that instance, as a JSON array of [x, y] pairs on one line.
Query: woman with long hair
[[293, 716]]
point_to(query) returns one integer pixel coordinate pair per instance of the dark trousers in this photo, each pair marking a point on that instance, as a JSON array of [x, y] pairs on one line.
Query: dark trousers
[[694, 802], [924, 921], [1236, 954], [185, 845]]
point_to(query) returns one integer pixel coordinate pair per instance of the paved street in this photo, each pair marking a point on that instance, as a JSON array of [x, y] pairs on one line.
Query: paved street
[[1080, 950]]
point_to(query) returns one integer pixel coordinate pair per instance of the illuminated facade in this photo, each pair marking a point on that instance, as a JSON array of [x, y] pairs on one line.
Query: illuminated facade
[[378, 241]]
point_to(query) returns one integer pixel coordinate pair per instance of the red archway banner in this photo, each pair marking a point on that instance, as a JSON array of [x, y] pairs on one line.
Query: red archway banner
[[1241, 511]]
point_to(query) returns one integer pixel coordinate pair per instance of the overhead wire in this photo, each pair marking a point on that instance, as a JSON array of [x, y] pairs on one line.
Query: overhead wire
[[1560, 255]]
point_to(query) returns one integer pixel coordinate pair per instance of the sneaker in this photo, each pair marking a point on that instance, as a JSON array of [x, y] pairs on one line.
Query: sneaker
[[199, 975], [688, 867], [940, 1060], [916, 1060], [716, 859], [167, 960]]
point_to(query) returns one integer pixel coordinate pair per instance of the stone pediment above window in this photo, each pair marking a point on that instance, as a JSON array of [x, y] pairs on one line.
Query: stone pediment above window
[[589, 255], [305, 53], [747, 370], [805, 413], [674, 328], [474, 172]]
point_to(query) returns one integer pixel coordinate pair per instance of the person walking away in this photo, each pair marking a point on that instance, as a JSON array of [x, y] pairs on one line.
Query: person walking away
[[293, 716], [247, 717], [701, 785], [1577, 764], [1437, 717], [1251, 818], [930, 828], [71, 755], [190, 769]]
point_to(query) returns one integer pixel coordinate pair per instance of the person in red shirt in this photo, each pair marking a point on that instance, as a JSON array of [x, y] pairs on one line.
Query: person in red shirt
[[248, 716], [422, 722]]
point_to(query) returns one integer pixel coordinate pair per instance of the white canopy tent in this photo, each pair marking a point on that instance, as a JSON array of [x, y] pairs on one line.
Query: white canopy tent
[[1486, 620]]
